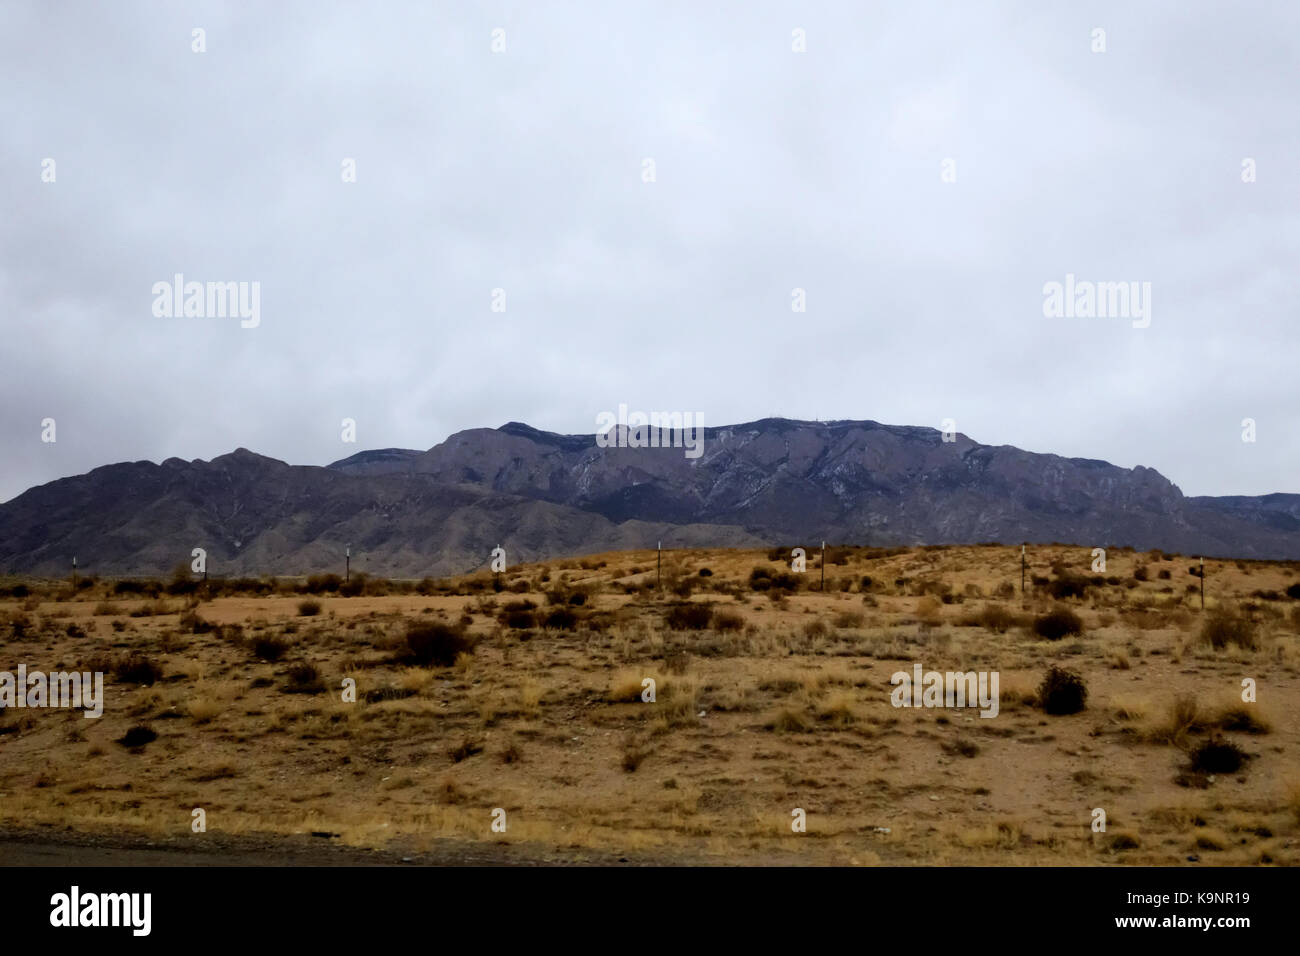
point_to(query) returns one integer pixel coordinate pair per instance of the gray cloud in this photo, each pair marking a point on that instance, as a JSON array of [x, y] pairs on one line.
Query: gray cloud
[[522, 170]]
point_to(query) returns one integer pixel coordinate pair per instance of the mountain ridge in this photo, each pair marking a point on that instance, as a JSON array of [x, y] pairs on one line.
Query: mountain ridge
[[542, 494]]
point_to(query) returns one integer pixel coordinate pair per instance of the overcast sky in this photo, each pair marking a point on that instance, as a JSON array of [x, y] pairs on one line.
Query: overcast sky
[[524, 170]]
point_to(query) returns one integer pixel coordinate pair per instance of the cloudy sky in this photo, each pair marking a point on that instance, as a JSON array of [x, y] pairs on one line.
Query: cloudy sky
[[921, 171]]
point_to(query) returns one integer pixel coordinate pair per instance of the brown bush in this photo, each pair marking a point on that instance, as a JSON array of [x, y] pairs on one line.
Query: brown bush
[[1058, 623], [688, 617], [304, 679], [436, 643], [727, 621], [1224, 626], [560, 619], [269, 648], [137, 669], [1062, 692]]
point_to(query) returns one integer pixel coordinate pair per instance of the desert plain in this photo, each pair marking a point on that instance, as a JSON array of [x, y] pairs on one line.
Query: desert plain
[[507, 717]]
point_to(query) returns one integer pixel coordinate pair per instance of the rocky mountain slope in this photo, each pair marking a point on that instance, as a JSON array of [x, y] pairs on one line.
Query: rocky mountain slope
[[539, 494]]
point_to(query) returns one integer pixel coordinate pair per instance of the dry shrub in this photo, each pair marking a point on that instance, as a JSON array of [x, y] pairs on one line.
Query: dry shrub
[[518, 620], [815, 628], [137, 736], [1241, 717], [1217, 756], [1182, 718], [839, 709], [633, 755], [787, 720], [727, 621], [1062, 692], [1129, 708], [560, 619], [688, 617], [270, 648], [530, 697], [137, 669], [679, 701], [1224, 626], [436, 644], [996, 618], [764, 579], [845, 620], [929, 611], [625, 687], [203, 709], [304, 678], [1118, 840], [1058, 623]]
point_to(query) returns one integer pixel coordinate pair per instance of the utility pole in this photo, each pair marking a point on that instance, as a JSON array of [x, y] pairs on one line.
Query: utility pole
[[74, 572], [1202, 582], [347, 563]]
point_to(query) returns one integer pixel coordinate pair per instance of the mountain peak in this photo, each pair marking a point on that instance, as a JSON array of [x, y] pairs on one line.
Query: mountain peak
[[242, 456], [571, 442]]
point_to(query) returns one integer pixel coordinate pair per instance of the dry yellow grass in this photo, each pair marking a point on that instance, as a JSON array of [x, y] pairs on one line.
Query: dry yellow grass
[[203, 709], [628, 686], [550, 725], [840, 708], [530, 697], [1130, 707]]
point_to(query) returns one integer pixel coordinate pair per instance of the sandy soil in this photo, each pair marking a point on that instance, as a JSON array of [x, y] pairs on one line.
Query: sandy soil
[[778, 705]]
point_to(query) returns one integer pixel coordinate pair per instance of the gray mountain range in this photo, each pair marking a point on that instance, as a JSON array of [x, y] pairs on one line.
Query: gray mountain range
[[538, 494]]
